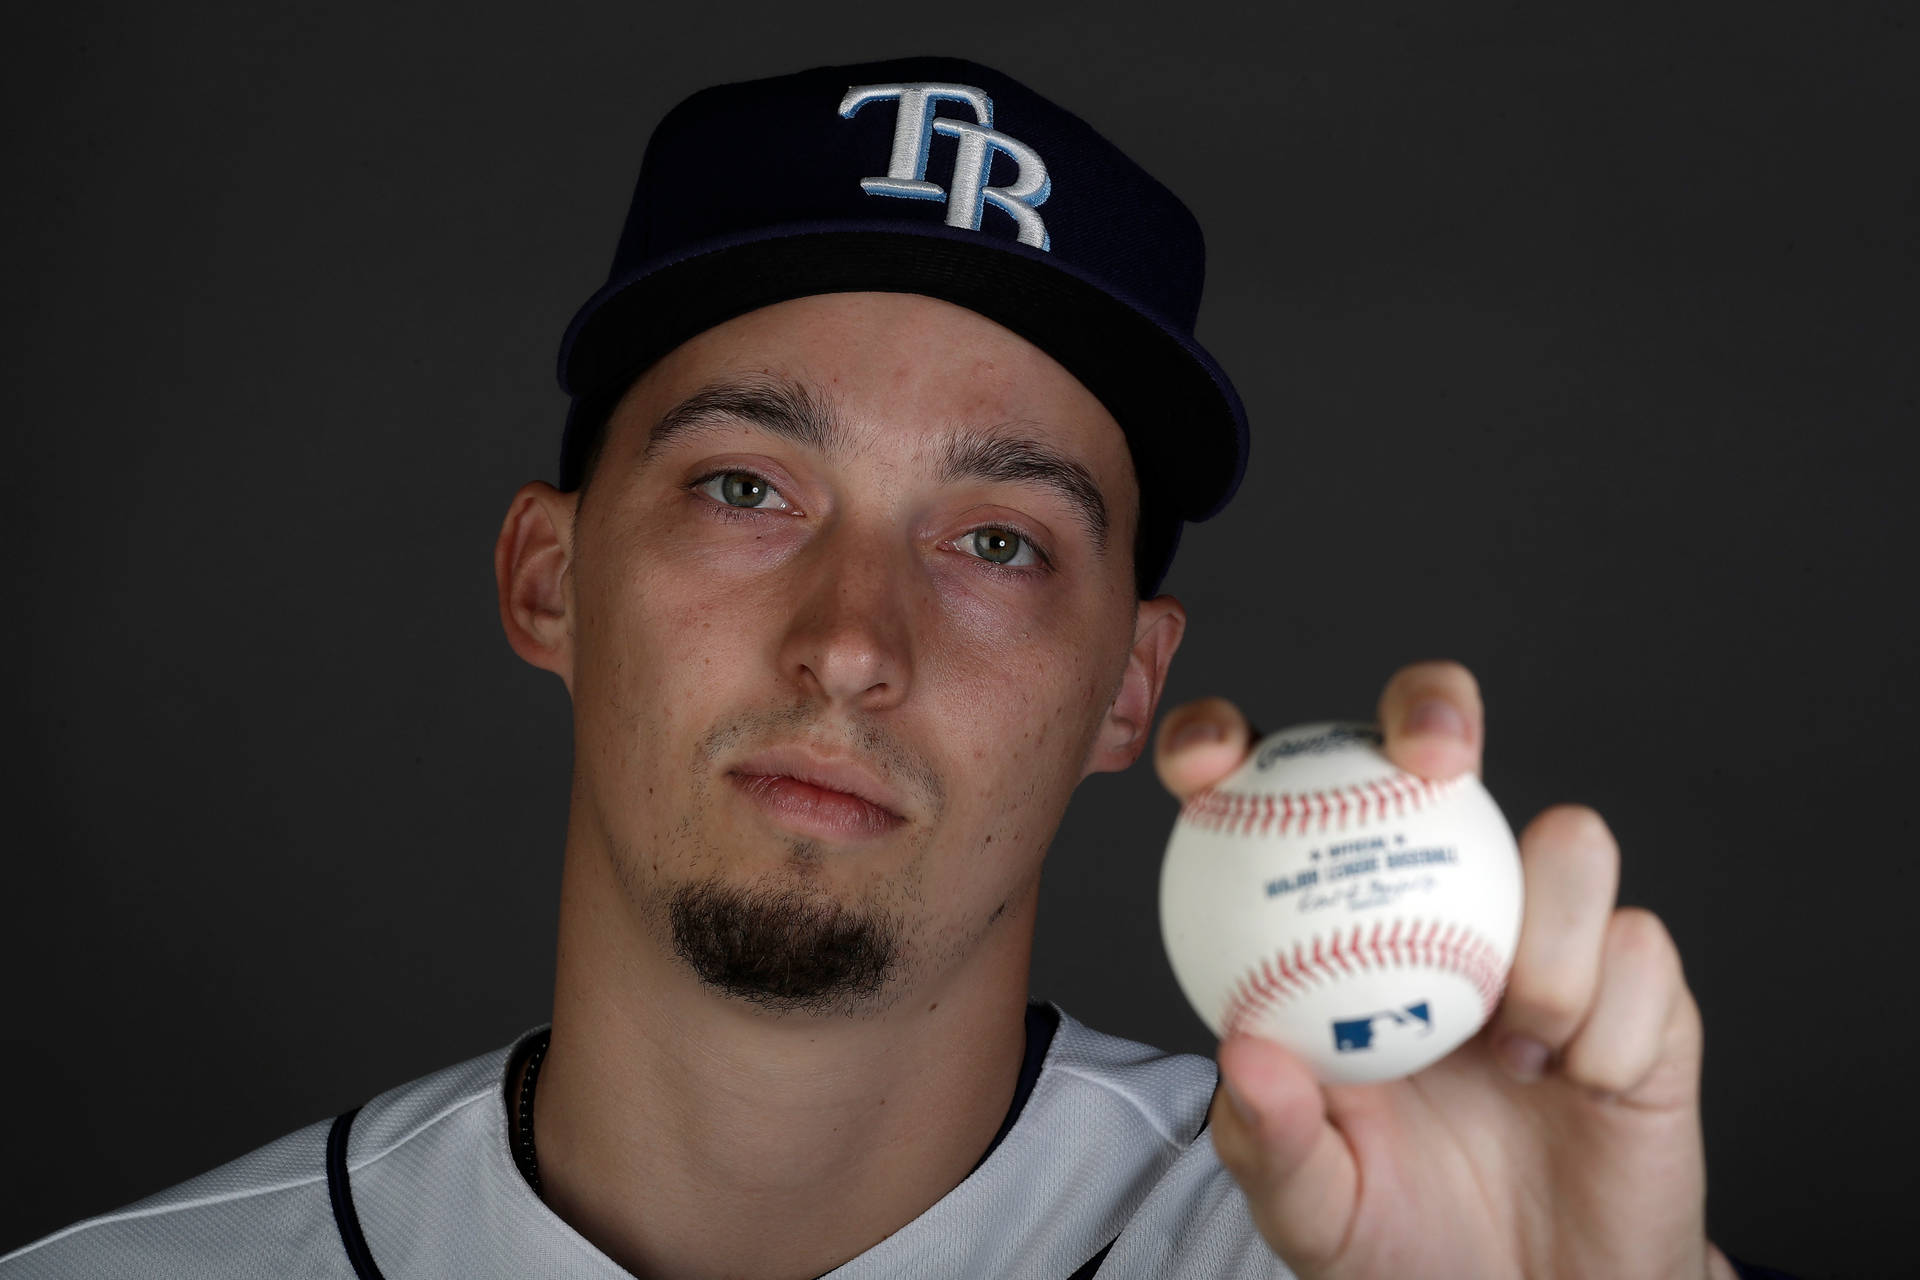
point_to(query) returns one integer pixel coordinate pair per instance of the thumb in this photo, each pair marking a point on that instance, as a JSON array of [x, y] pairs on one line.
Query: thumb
[[1271, 1131]]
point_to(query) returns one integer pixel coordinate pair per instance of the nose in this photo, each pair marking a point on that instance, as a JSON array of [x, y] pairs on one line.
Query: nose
[[849, 641]]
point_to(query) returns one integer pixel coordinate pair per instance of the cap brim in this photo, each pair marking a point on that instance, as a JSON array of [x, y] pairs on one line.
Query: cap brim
[[1185, 424]]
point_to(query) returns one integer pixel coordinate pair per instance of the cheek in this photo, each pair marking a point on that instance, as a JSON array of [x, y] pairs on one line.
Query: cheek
[[1036, 674], [657, 646], [1028, 713]]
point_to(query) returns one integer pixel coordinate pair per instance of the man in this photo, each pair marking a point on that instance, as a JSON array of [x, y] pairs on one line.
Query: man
[[882, 435]]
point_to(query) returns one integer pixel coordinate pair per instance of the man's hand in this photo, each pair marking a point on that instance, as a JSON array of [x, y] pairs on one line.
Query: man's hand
[[1563, 1140]]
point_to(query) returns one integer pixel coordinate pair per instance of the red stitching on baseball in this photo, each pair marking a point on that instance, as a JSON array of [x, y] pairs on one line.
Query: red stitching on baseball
[[1456, 950], [1249, 813]]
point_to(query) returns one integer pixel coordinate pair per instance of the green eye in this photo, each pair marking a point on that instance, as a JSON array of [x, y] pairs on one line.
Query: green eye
[[743, 489], [998, 546]]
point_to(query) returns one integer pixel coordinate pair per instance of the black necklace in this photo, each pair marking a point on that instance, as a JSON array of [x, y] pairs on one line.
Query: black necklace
[[523, 1114]]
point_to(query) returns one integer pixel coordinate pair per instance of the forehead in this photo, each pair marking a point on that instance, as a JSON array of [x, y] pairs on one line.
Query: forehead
[[896, 369]]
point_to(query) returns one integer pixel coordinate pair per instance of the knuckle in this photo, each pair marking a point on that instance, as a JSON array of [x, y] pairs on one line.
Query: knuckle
[[1686, 1014], [1604, 1068], [1641, 939], [1573, 844], [1637, 933], [1691, 1027], [1552, 1003], [1646, 1021], [1576, 825]]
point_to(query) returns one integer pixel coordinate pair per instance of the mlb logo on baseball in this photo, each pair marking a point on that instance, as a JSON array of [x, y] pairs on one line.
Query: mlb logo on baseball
[[1321, 897], [1357, 1035]]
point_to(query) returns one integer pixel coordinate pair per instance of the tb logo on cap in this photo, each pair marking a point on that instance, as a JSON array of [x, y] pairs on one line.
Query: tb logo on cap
[[978, 142]]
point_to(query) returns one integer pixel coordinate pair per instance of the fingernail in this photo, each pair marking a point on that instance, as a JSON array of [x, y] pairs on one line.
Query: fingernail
[[1437, 717], [1523, 1057], [1195, 732]]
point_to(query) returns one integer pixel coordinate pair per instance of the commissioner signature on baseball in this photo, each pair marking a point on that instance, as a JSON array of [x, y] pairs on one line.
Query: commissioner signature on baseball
[[1358, 895]]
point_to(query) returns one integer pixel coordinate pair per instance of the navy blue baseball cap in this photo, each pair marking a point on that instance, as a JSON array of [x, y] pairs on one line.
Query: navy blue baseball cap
[[932, 176]]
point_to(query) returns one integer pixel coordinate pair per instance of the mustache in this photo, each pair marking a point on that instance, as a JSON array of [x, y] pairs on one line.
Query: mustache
[[801, 726]]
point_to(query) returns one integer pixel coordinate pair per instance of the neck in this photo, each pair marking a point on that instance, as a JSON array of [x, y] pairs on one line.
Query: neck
[[691, 1135]]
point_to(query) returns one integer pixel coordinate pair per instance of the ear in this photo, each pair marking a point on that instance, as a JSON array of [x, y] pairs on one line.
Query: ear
[[1157, 630], [532, 569]]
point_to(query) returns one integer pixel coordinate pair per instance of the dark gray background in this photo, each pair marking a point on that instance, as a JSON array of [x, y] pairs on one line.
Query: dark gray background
[[1577, 350]]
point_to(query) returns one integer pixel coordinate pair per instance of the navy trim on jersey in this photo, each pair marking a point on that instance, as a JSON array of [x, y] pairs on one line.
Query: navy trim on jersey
[[1093, 1264], [342, 1195], [1042, 1022]]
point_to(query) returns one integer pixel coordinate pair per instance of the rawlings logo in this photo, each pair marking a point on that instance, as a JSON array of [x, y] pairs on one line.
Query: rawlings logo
[[1337, 738]]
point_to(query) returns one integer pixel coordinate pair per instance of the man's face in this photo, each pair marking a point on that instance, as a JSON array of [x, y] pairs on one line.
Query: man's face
[[851, 596]]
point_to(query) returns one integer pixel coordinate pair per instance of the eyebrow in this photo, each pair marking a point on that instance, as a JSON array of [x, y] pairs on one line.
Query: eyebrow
[[794, 412], [996, 457], [785, 408]]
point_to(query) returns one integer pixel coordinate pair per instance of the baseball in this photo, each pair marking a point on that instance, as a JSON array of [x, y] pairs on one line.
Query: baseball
[[1362, 916]]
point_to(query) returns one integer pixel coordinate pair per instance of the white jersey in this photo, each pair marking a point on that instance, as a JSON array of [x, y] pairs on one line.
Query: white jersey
[[1108, 1153]]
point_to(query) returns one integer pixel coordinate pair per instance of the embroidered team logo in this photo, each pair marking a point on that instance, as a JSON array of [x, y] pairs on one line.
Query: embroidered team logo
[[978, 142]]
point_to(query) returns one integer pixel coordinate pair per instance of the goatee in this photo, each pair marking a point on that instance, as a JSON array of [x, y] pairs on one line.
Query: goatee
[[782, 949]]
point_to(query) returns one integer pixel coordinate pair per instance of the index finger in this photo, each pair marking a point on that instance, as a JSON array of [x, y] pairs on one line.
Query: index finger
[[1433, 719], [1200, 742]]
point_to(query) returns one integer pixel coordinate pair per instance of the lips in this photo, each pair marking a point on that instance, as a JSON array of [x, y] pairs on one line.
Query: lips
[[831, 799]]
